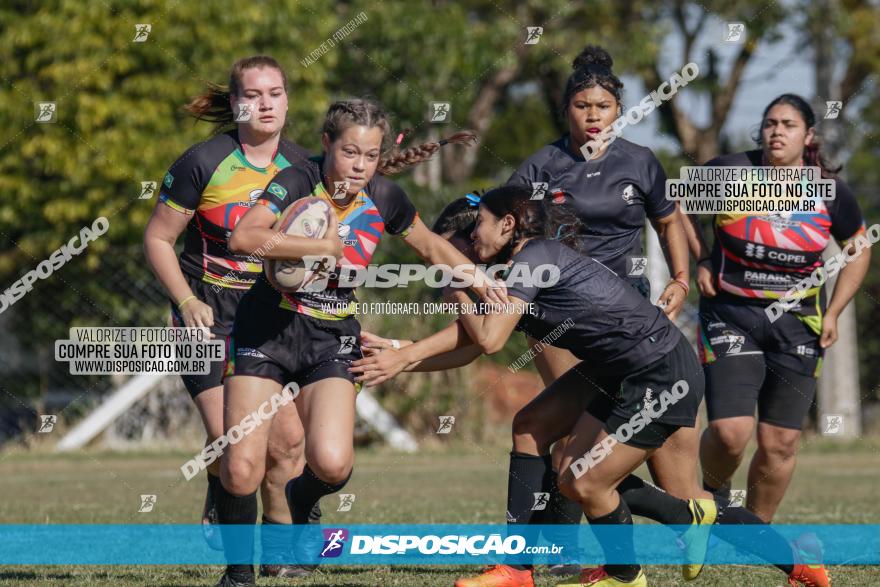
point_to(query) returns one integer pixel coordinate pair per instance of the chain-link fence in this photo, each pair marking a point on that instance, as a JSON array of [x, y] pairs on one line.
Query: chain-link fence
[[122, 291]]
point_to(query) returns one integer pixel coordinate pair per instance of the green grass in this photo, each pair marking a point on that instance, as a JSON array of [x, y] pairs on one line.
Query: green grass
[[443, 484]]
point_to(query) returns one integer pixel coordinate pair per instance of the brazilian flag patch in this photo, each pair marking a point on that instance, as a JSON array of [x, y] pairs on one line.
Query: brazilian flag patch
[[276, 189]]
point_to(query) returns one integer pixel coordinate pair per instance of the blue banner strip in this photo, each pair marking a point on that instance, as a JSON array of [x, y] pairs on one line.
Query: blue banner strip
[[144, 544]]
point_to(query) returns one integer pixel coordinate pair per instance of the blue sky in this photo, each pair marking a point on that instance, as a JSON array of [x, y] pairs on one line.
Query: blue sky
[[773, 70]]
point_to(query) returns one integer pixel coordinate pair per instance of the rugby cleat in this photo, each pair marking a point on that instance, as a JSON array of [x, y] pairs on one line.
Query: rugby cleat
[[808, 569], [499, 576], [695, 539], [227, 581], [565, 566], [598, 577], [809, 575], [287, 571]]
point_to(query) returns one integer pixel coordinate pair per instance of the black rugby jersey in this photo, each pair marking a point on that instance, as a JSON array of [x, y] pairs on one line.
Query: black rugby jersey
[[609, 322], [613, 195]]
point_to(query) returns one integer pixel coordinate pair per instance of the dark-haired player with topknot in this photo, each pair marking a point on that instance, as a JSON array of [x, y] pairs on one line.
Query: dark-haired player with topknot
[[615, 190]]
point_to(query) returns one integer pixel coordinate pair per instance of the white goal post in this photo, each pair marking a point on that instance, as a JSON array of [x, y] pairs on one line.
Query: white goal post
[[139, 386]]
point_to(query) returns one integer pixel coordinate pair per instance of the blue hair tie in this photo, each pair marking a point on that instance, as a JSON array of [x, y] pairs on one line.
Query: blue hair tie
[[559, 231], [473, 200]]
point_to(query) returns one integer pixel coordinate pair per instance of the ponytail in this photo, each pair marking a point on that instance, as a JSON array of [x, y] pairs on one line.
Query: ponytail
[[397, 162], [213, 105]]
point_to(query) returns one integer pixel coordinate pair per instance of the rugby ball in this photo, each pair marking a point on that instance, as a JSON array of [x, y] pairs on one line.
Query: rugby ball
[[309, 218]]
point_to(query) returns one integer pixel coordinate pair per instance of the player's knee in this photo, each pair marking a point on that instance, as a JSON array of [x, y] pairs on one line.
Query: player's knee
[[241, 476], [336, 474], [781, 447], [731, 439], [286, 453], [332, 469], [528, 427], [579, 490], [566, 486], [279, 470]]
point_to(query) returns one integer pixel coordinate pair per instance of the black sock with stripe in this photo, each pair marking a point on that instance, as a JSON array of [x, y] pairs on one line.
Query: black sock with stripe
[[527, 475], [621, 546]]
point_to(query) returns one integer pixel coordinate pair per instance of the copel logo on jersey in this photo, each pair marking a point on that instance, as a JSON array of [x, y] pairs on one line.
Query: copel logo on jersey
[[334, 540], [760, 253], [756, 251]]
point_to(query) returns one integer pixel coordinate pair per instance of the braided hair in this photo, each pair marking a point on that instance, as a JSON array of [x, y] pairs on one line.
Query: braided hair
[[365, 112]]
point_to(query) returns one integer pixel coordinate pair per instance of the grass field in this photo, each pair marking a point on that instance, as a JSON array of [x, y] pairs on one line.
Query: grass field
[[450, 484]]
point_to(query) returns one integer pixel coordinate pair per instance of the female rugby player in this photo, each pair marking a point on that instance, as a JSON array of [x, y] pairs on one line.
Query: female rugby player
[[311, 337], [205, 192], [634, 354], [614, 191], [752, 361]]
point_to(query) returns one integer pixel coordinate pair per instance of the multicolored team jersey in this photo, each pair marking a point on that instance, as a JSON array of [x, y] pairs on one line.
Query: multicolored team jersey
[[612, 195], [215, 183], [759, 258], [382, 206]]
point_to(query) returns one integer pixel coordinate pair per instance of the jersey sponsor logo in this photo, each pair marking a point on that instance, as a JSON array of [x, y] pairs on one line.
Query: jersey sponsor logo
[[277, 190], [169, 179], [754, 276], [594, 174], [629, 195], [344, 232], [787, 257], [717, 325], [805, 350], [781, 222], [755, 251], [760, 252], [245, 351]]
